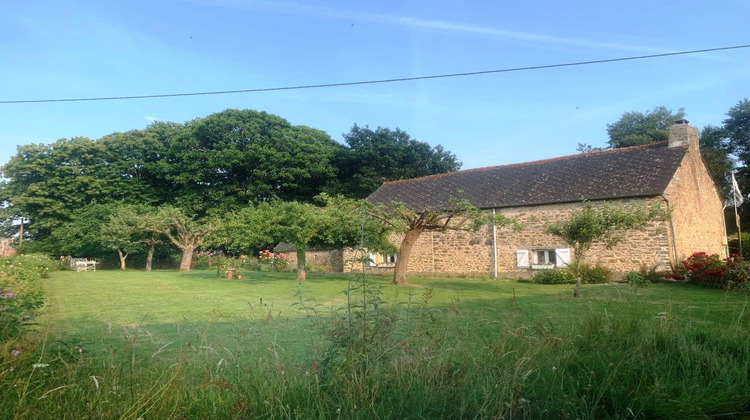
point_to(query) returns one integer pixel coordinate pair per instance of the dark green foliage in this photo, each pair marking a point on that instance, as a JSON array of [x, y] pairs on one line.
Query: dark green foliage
[[596, 274], [554, 277], [637, 128], [47, 183], [83, 235], [714, 146], [232, 158], [737, 129], [376, 156], [21, 292], [209, 166], [734, 245], [638, 280]]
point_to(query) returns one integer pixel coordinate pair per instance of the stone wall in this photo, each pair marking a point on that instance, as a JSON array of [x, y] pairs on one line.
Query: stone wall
[[329, 261], [697, 210], [471, 253], [649, 247]]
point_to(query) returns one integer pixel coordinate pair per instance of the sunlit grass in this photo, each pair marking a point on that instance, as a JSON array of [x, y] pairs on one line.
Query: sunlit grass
[[165, 344]]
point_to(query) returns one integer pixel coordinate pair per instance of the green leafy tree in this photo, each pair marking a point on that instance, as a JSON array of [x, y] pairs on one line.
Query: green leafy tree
[[375, 156], [133, 159], [606, 224], [714, 146], [459, 215], [298, 224], [84, 234], [126, 232], [46, 183], [338, 222], [636, 128], [737, 130], [233, 158], [183, 231]]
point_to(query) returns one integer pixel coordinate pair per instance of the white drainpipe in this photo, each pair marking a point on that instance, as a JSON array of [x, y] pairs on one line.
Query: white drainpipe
[[494, 246]]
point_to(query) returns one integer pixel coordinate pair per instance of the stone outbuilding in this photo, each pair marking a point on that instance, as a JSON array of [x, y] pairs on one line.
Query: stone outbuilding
[[6, 249], [671, 174]]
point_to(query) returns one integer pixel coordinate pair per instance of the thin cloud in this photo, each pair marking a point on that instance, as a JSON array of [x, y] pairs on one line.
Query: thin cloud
[[410, 22]]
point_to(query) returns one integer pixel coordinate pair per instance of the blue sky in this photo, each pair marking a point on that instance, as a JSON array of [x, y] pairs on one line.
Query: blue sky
[[75, 49]]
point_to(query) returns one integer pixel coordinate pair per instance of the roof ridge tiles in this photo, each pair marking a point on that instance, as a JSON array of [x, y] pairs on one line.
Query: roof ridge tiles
[[533, 162]]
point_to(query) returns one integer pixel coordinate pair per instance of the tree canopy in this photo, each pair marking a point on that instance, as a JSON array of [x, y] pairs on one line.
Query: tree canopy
[[636, 128], [209, 166], [372, 157], [236, 157]]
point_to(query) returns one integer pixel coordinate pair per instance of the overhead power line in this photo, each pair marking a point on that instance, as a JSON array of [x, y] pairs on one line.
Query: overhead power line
[[372, 82]]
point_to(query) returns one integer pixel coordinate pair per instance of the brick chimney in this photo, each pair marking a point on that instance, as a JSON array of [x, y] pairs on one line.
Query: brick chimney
[[681, 134]]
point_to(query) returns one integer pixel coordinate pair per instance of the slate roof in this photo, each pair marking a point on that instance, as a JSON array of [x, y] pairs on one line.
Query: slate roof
[[640, 171]]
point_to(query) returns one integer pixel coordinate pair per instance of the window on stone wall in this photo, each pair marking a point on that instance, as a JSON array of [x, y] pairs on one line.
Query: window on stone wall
[[382, 260], [542, 258]]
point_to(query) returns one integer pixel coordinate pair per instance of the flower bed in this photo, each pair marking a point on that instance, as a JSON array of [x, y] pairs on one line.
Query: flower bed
[[709, 270]]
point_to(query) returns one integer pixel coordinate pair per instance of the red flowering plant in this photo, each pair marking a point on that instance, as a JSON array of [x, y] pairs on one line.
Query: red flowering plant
[[709, 270], [276, 261], [705, 270]]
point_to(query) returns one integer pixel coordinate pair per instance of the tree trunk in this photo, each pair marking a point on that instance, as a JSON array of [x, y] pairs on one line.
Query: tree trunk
[[123, 257], [150, 257], [187, 258], [402, 261], [577, 290], [576, 266], [301, 261]]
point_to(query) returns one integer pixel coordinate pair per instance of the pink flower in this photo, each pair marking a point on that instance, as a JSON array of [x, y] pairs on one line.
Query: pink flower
[[15, 353]]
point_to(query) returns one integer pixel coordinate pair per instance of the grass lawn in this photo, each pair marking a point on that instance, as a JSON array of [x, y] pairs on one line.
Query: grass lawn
[[191, 345]]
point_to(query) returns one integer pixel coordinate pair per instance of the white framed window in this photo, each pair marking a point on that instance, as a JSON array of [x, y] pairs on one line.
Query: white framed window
[[542, 258], [382, 260]]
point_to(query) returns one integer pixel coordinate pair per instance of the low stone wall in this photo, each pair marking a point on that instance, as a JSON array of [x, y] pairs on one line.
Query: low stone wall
[[328, 261]]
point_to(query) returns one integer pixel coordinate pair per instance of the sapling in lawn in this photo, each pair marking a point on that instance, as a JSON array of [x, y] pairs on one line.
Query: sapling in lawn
[[607, 224]]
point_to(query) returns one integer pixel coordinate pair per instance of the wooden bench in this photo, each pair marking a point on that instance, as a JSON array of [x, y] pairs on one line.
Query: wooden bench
[[82, 264]]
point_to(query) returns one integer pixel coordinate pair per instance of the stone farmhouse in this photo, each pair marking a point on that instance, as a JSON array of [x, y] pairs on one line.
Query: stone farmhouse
[[669, 174]]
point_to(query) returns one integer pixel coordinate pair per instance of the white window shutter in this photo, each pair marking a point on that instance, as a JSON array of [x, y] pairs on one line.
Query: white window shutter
[[522, 258], [562, 255], [372, 258]]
